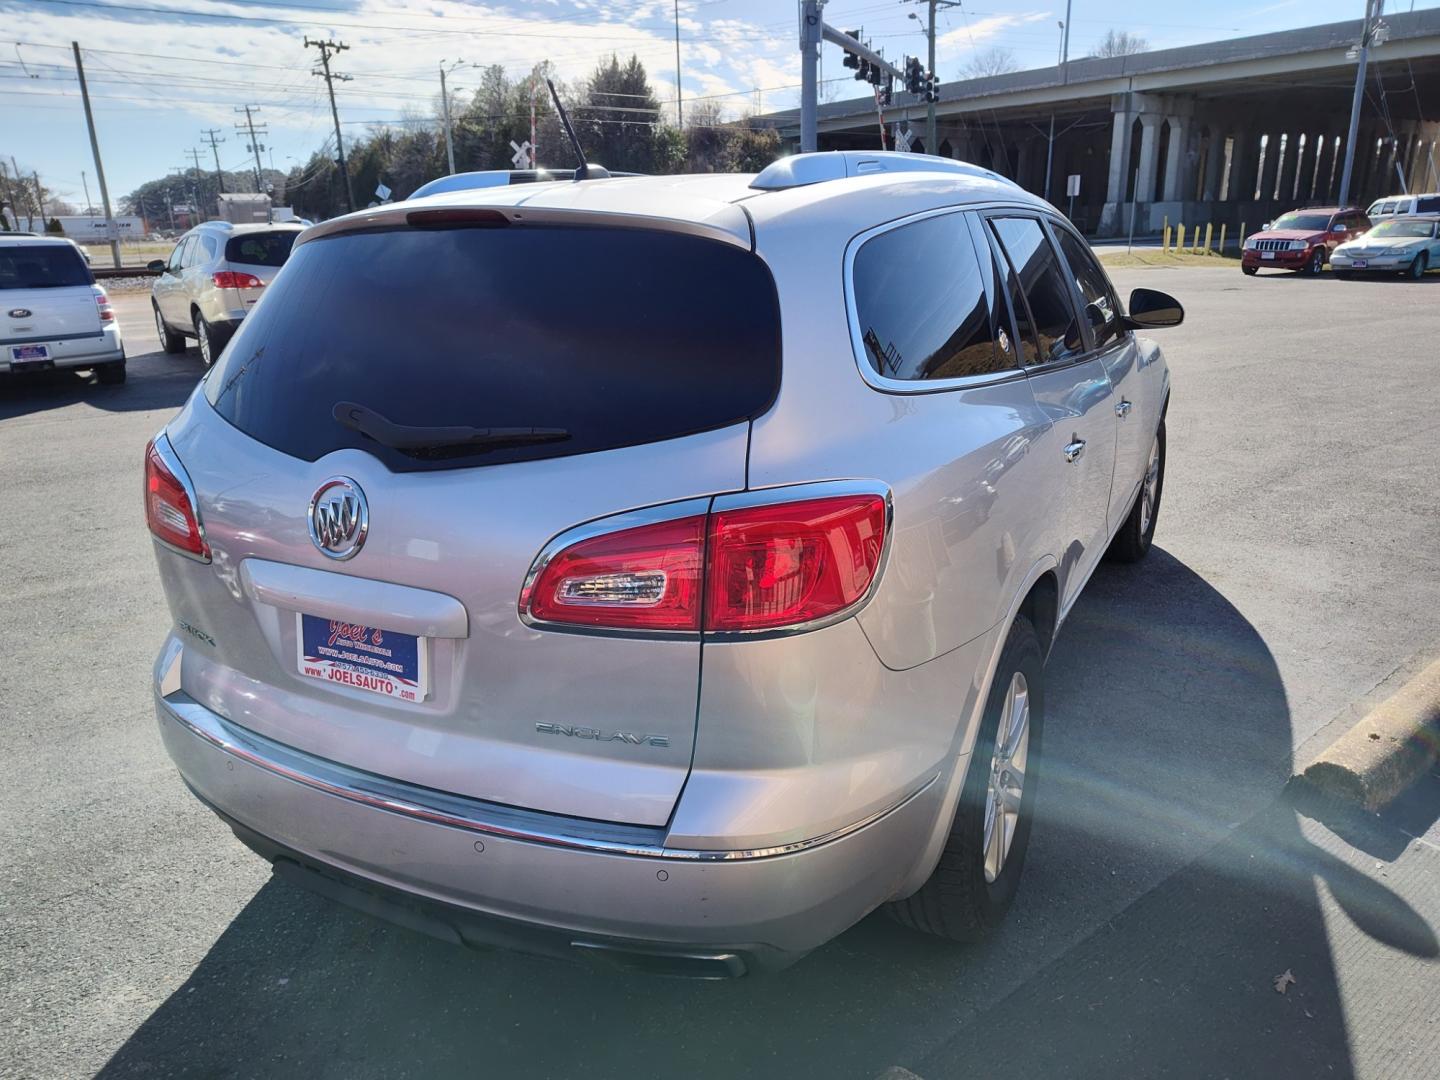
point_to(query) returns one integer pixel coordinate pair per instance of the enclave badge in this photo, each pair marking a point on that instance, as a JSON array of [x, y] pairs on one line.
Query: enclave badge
[[339, 518]]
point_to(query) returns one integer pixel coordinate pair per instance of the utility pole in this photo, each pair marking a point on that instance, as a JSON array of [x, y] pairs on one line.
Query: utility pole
[[210, 136], [931, 137], [18, 193], [85, 183], [445, 105], [1368, 36], [39, 199], [679, 94], [255, 146], [95, 150], [326, 48], [814, 30], [1064, 80]]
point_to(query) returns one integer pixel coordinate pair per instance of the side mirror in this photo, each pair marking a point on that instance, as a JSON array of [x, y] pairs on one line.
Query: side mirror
[[1338, 228], [1151, 309], [1266, 226], [157, 265]]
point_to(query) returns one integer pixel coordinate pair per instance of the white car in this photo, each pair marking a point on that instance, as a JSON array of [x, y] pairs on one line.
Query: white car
[[1400, 205], [1408, 245], [52, 314]]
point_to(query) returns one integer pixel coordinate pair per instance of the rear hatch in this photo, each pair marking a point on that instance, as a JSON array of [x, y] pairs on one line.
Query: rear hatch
[[652, 349], [255, 257], [45, 294]]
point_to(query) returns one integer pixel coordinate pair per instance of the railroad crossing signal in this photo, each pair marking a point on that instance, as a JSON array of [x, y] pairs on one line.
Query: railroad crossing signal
[[523, 158]]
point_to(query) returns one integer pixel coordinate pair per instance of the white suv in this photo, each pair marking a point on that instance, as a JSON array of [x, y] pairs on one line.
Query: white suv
[[216, 273], [52, 314]]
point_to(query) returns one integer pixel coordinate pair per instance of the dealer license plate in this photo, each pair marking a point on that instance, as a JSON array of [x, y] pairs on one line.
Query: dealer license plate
[[29, 355], [1267, 254], [367, 658], [1360, 264]]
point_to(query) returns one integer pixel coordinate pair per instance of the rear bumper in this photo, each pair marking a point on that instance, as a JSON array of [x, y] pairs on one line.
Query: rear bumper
[[478, 874], [83, 352]]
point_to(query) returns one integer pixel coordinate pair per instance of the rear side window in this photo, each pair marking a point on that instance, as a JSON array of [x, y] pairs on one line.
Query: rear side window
[[921, 301], [260, 249], [1046, 318], [211, 246], [1427, 204], [42, 266], [617, 336]]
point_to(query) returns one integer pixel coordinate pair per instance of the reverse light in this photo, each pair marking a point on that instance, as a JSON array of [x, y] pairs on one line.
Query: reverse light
[[169, 510], [102, 301], [760, 567], [232, 279]]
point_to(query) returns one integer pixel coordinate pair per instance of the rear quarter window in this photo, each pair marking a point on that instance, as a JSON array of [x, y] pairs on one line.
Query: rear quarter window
[[620, 336]]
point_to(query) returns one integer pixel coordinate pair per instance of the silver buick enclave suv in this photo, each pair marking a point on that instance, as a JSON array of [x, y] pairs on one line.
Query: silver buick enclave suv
[[659, 570]]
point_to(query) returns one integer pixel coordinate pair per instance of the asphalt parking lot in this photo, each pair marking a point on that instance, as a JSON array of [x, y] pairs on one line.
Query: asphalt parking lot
[[1169, 882]]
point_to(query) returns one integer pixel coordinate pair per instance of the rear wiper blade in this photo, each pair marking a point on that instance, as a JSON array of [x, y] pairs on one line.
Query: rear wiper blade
[[405, 437]]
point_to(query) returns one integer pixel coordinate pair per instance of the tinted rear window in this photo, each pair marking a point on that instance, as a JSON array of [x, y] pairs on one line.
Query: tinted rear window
[[260, 249], [620, 336], [37, 266]]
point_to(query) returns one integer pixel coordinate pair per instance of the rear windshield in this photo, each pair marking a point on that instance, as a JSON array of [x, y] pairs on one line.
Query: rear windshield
[[616, 336], [42, 266], [261, 249]]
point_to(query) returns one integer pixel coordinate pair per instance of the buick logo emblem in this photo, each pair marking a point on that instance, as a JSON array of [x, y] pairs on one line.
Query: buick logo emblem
[[339, 518], [19, 313]]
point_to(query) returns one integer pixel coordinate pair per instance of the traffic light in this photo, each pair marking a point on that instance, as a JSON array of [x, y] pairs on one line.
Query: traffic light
[[862, 73], [932, 87], [914, 76], [877, 74], [851, 60]]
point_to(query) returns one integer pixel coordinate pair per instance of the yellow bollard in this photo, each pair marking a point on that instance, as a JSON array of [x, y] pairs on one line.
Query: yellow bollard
[[1240, 238], [1209, 234], [1222, 239], [1180, 238], [1165, 225]]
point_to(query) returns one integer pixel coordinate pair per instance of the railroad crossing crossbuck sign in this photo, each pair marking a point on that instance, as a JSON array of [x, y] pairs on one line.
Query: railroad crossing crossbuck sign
[[522, 156], [901, 139]]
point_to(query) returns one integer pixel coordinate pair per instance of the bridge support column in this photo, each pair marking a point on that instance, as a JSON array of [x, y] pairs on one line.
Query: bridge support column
[[1117, 181], [1214, 164], [1178, 178], [1149, 157]]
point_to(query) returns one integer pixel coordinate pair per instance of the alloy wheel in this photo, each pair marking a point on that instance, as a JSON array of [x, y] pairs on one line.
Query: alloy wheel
[[1150, 486], [202, 334], [160, 326], [1007, 776]]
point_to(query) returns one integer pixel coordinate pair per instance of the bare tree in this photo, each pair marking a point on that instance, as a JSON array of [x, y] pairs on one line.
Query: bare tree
[[1120, 43], [996, 60]]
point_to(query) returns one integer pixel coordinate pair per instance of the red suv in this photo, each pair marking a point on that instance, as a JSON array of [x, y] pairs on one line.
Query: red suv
[[1302, 239]]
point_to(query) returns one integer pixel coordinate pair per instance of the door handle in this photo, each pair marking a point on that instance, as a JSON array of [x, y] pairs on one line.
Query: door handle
[[1122, 410], [1074, 450]]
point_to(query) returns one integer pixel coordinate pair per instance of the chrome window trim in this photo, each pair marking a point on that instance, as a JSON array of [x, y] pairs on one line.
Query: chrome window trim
[[884, 383], [167, 454], [460, 812]]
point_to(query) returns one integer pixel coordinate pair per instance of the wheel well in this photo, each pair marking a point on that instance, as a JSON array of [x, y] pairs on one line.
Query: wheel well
[[1040, 606]]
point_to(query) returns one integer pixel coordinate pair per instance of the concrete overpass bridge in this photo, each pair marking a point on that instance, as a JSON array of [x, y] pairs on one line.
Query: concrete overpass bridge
[[1226, 132]]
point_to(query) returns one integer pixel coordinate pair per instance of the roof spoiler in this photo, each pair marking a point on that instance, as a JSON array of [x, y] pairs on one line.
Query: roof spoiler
[[800, 170]]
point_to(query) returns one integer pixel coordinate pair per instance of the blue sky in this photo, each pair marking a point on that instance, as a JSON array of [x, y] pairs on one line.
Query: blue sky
[[159, 79]]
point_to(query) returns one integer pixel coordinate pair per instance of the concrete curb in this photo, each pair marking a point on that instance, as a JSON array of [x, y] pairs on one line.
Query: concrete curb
[[1389, 749]]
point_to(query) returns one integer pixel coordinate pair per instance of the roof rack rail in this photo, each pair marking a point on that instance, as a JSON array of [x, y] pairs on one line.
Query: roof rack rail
[[800, 170]]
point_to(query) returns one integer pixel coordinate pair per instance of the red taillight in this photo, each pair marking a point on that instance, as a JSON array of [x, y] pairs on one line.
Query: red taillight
[[757, 567], [168, 510], [642, 578], [107, 313], [789, 563], [230, 279]]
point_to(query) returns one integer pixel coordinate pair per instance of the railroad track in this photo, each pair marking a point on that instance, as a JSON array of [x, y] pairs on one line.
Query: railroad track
[[101, 272]]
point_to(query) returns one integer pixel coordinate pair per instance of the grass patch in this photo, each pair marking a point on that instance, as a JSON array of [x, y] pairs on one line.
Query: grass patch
[[1153, 257]]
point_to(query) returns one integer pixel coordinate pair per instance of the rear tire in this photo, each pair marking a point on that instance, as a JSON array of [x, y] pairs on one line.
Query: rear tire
[[1419, 266], [205, 340], [111, 374], [1249, 271], [964, 899], [170, 341], [1132, 542]]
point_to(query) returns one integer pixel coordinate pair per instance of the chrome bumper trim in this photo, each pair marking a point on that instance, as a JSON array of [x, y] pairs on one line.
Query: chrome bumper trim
[[460, 812]]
